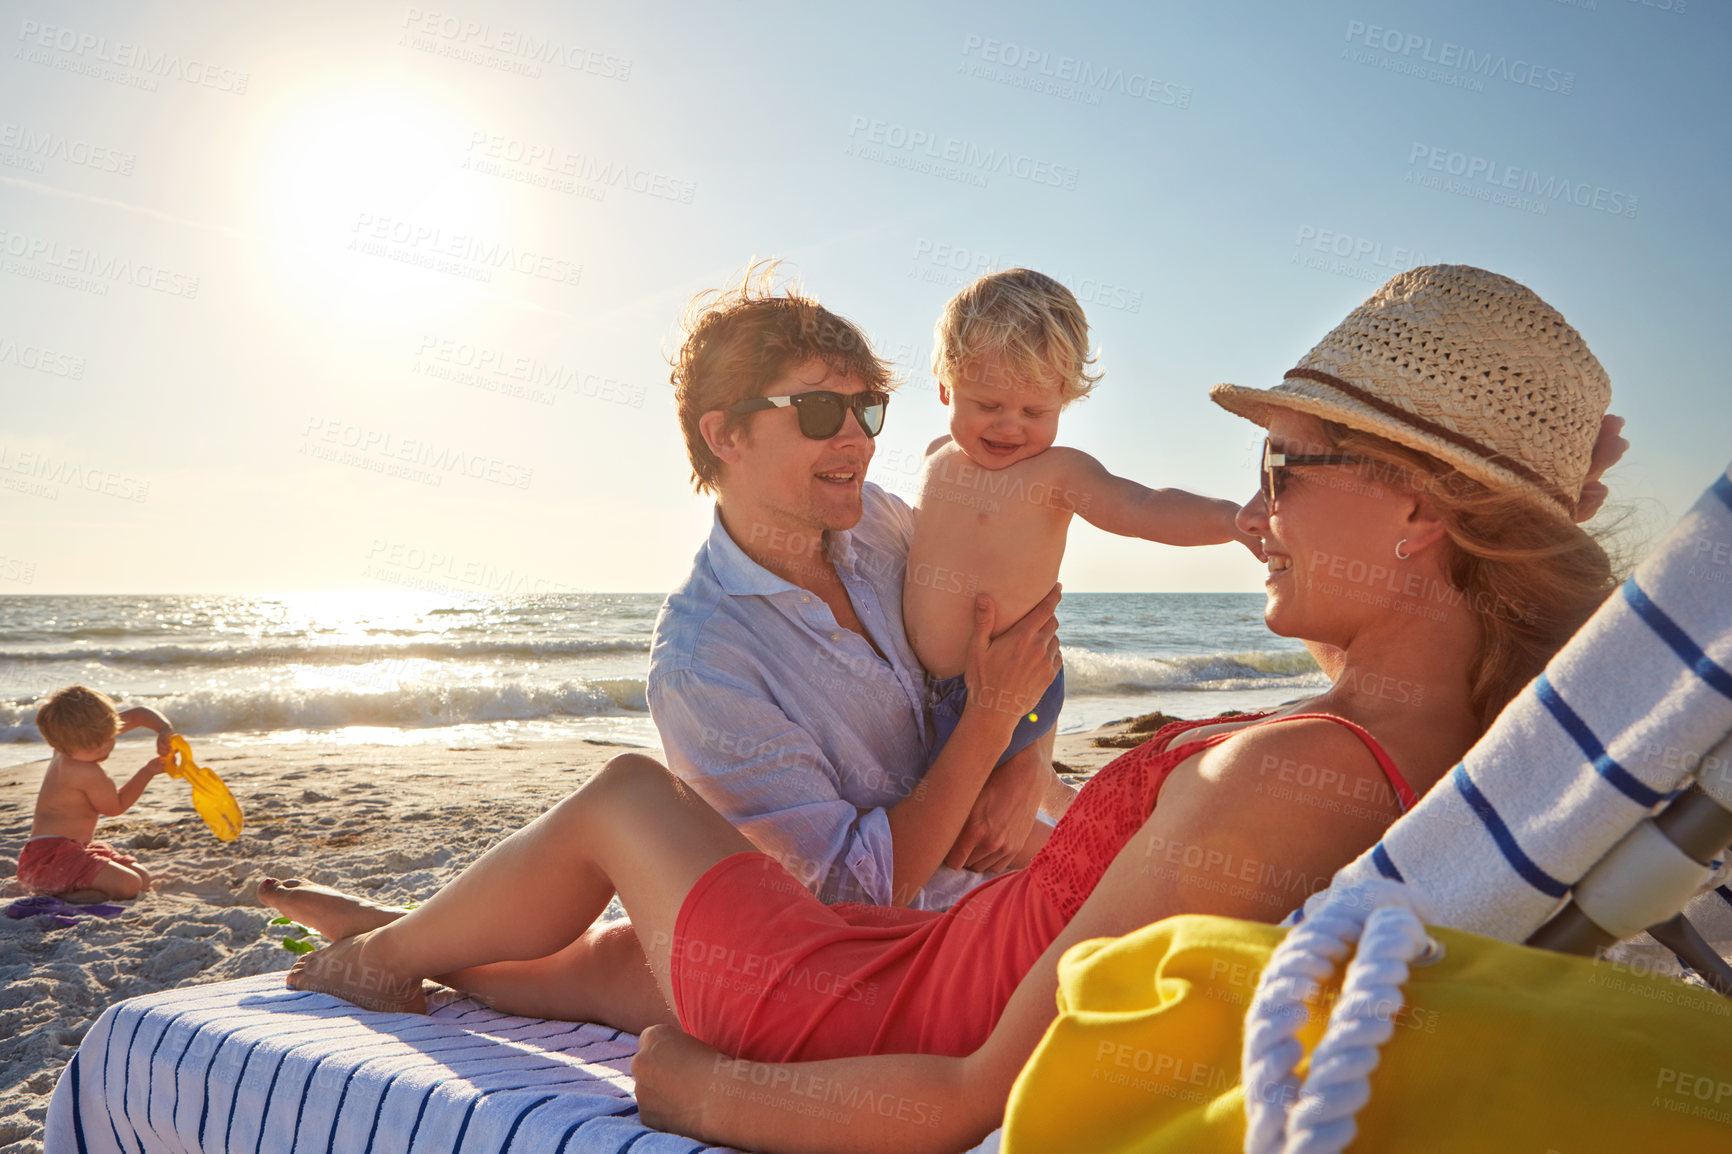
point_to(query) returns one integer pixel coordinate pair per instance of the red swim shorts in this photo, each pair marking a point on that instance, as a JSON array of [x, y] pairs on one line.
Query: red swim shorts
[[58, 865], [761, 969]]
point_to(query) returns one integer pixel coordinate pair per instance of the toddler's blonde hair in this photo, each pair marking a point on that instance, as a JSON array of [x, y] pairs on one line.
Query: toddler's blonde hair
[[77, 717], [1026, 321]]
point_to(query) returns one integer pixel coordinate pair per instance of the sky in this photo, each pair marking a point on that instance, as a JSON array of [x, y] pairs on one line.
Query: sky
[[363, 296]]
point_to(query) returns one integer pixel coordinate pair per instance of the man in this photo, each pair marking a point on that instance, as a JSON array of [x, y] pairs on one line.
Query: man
[[792, 618], [780, 678]]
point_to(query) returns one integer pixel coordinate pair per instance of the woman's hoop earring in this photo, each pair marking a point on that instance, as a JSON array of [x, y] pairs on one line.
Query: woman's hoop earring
[[1398, 553]]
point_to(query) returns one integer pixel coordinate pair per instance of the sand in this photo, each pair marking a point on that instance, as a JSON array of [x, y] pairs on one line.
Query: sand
[[391, 822]]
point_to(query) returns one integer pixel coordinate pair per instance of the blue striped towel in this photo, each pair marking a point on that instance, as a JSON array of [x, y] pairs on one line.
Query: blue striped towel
[[1611, 728], [251, 1065]]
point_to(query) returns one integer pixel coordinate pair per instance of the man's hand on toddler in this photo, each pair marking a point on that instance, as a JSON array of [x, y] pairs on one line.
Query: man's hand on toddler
[[1007, 672]]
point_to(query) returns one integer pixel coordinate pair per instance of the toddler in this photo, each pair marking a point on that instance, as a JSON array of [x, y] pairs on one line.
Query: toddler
[[997, 497], [60, 857]]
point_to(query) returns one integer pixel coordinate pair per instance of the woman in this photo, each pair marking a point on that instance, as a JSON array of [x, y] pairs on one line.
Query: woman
[[1423, 467]]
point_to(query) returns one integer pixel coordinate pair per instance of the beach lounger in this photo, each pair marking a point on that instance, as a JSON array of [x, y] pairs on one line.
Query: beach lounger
[[1622, 717], [251, 1065]]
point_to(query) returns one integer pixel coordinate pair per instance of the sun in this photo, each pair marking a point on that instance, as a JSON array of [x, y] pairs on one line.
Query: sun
[[359, 188]]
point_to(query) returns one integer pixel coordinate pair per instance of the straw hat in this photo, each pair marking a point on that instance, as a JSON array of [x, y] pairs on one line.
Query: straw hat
[[1463, 364]]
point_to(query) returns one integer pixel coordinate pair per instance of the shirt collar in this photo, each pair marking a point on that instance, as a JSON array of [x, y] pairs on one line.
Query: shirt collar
[[740, 576]]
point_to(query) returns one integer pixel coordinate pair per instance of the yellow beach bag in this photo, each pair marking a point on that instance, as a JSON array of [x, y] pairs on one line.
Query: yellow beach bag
[[1494, 1047]]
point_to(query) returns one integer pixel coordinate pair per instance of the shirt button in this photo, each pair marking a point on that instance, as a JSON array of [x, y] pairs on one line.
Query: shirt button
[[835, 637], [805, 600]]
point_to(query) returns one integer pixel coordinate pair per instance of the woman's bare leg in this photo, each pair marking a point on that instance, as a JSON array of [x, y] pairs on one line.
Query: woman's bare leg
[[335, 914], [601, 977], [635, 828]]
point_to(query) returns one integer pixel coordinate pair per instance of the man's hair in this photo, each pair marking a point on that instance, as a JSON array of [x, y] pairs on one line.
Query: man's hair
[[77, 718], [739, 340], [1024, 320]]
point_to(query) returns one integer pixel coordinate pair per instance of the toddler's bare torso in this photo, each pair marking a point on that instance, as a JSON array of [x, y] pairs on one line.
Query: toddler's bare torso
[[62, 809], [995, 531]]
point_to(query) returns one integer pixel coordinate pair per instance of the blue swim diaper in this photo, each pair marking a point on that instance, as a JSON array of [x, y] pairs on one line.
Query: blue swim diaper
[[949, 695]]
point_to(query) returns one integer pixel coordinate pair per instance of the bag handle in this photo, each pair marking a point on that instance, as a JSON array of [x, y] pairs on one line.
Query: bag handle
[[1281, 1116]]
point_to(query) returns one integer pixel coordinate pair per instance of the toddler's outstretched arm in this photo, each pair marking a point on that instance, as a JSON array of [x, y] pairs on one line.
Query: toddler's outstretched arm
[[108, 801], [144, 717], [1169, 516]]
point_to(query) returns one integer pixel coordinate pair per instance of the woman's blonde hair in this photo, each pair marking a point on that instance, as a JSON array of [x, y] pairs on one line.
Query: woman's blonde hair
[[1533, 579]]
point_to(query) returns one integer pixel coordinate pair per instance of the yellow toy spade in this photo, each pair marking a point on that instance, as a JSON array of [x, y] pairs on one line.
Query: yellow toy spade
[[210, 796]]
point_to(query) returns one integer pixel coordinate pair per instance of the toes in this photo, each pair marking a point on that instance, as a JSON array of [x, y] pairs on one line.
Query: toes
[[296, 978], [340, 971]]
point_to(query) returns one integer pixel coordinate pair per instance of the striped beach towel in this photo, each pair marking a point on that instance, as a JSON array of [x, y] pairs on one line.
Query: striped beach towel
[[251, 1065], [1639, 698]]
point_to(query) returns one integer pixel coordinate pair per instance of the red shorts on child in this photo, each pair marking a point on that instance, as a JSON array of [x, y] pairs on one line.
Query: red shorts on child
[[58, 865]]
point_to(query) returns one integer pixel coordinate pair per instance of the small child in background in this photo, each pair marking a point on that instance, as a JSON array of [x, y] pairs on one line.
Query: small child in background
[[996, 497], [60, 858]]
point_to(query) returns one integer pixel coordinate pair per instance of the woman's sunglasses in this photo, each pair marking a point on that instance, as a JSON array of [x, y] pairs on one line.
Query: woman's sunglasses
[[822, 411], [1275, 465]]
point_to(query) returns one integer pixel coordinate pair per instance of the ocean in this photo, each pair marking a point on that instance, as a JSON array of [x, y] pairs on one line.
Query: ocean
[[413, 668]]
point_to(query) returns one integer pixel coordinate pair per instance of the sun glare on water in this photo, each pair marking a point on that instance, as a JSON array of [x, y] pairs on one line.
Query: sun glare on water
[[352, 623], [362, 618]]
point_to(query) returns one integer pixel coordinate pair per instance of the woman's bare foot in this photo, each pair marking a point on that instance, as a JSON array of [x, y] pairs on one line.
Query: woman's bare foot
[[346, 971], [333, 913]]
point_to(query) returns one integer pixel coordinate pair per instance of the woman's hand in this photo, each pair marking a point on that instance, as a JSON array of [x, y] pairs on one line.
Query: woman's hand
[[1609, 449], [672, 1071], [909, 1103]]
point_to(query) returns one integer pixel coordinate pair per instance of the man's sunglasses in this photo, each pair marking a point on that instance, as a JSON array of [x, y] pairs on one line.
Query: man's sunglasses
[[822, 411], [1275, 465]]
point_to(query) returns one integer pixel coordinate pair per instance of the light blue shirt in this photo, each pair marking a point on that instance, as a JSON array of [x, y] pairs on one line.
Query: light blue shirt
[[790, 725]]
